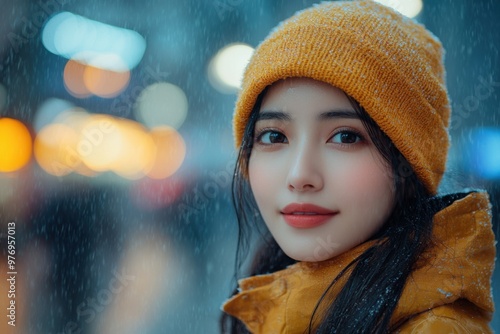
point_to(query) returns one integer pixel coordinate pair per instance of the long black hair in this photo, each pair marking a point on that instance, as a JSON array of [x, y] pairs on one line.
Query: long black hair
[[371, 285]]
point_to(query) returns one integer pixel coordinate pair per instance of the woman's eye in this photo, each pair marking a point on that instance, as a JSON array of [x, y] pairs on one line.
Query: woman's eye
[[271, 137], [346, 137]]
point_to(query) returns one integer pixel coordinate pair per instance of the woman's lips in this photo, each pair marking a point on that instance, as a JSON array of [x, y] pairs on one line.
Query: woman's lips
[[306, 215]]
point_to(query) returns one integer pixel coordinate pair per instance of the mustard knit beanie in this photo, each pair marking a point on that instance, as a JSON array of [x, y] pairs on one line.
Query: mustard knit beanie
[[390, 64]]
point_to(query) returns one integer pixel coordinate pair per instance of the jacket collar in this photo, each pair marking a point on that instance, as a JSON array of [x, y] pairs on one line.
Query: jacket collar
[[458, 264]]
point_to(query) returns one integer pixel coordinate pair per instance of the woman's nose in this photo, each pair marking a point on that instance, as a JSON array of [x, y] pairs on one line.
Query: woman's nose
[[305, 172]]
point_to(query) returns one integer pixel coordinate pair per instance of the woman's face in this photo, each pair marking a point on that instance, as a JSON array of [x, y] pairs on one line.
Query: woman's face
[[320, 184]]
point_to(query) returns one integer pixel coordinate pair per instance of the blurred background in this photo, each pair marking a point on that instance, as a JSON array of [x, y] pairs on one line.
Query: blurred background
[[116, 151]]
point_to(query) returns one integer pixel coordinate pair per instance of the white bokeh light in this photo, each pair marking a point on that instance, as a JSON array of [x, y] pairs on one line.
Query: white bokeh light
[[160, 104], [409, 8], [226, 68]]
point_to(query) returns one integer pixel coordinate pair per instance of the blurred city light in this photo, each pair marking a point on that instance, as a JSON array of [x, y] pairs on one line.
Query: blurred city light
[[409, 8], [83, 80], [105, 83], [226, 68], [137, 151], [74, 79], [89, 144], [15, 145], [160, 104], [484, 147], [74, 117], [48, 111], [101, 143], [55, 151], [170, 152], [87, 41]]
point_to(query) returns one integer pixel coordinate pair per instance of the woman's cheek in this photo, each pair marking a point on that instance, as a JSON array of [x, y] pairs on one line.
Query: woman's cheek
[[365, 181], [261, 174]]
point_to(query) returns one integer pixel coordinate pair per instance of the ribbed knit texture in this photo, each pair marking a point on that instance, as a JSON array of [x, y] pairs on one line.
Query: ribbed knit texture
[[390, 64]]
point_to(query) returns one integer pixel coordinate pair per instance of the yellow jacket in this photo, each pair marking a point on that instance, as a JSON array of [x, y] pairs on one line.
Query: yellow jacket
[[449, 290]]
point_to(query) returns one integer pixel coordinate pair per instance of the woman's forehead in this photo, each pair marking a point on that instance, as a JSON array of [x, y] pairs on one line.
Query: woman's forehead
[[293, 94]]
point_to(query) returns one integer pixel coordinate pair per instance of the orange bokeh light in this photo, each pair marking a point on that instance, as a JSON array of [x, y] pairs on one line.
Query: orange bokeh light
[[105, 83], [55, 149], [170, 152], [93, 143], [15, 145], [100, 143], [137, 153], [73, 79], [83, 80]]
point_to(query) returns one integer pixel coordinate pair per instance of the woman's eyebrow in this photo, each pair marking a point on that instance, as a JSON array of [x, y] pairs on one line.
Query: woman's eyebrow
[[282, 116], [340, 113], [279, 115]]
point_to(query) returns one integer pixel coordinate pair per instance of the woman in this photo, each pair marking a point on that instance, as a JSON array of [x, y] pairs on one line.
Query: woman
[[342, 129]]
